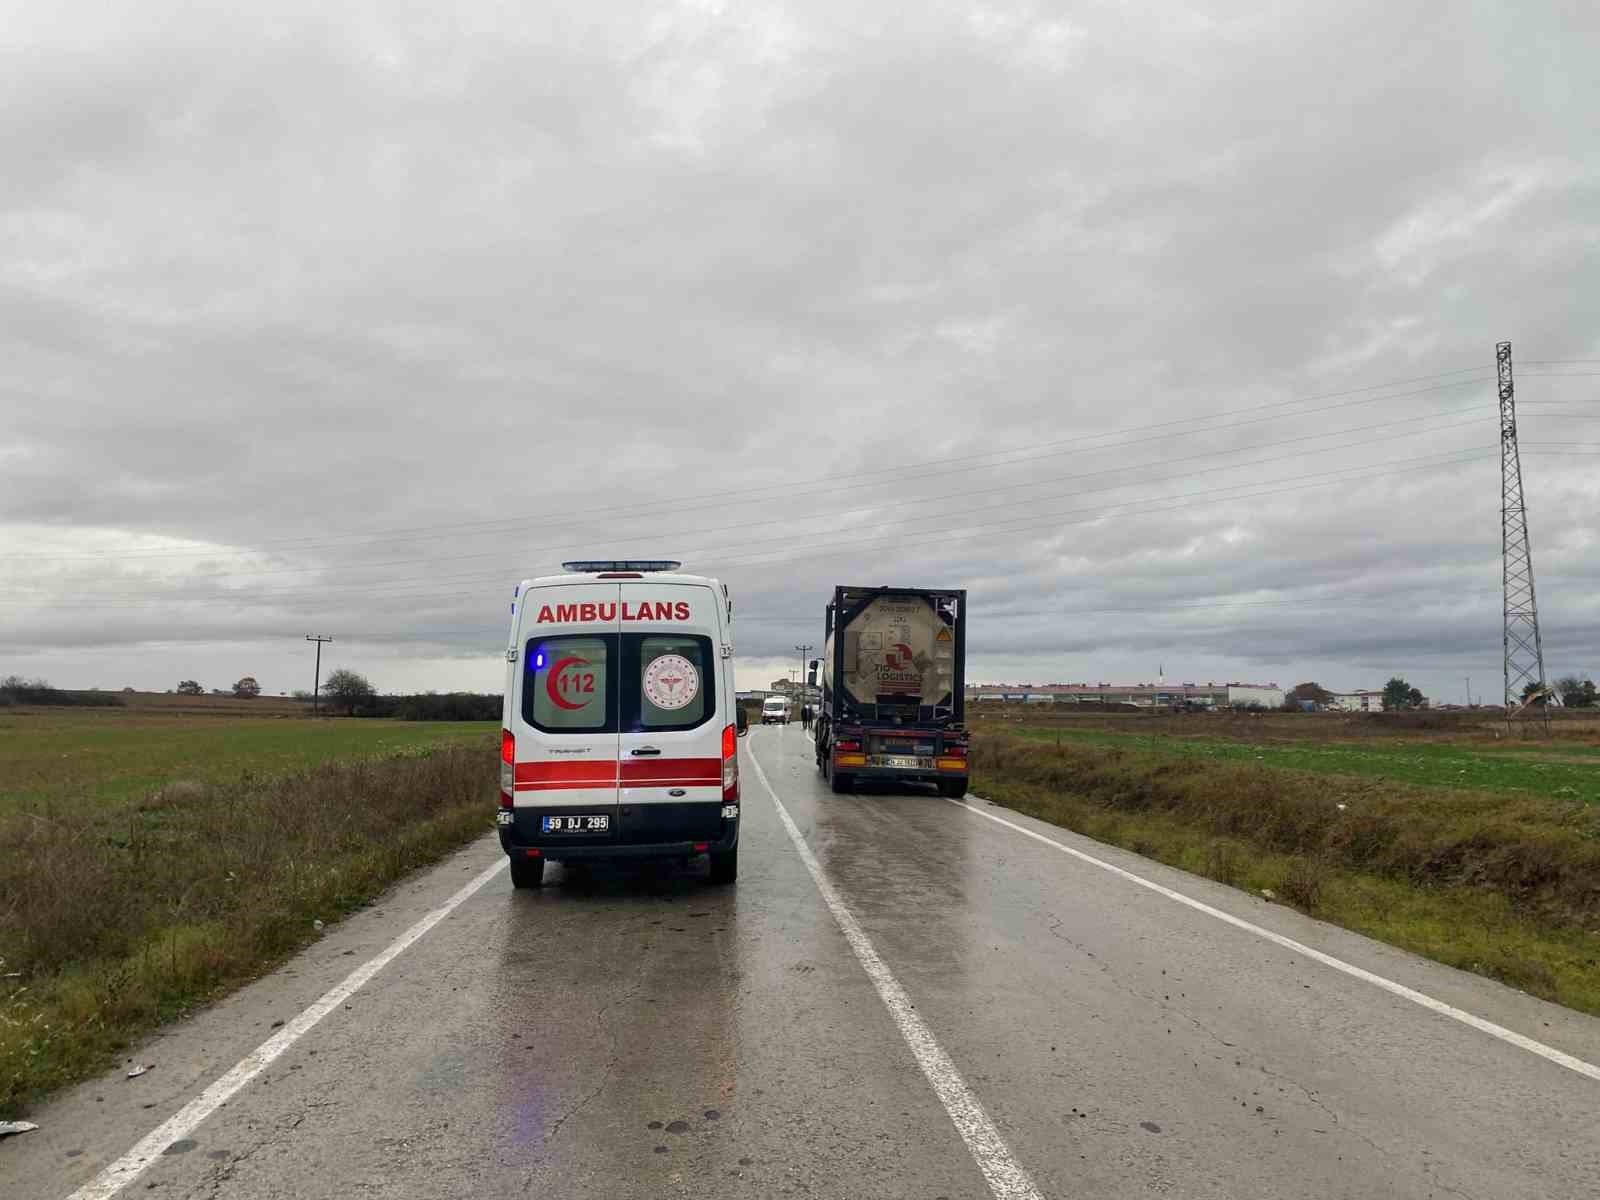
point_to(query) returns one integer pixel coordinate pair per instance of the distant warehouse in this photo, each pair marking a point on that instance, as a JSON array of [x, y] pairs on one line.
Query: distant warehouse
[[1133, 695]]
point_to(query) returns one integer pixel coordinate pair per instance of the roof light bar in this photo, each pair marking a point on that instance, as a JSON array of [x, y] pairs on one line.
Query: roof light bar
[[595, 566]]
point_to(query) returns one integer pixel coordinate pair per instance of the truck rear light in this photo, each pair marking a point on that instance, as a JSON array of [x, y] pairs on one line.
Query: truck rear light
[[701, 847], [533, 854], [730, 763], [841, 759], [508, 767], [950, 764], [847, 745]]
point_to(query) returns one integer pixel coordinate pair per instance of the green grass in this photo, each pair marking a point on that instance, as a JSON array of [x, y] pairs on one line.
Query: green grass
[[1512, 768], [215, 846], [104, 758], [1507, 885]]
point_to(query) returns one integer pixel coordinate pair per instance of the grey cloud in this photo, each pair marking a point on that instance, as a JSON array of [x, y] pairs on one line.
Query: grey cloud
[[284, 287]]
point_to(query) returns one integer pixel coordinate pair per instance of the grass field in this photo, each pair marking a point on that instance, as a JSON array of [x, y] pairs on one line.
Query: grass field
[[110, 756], [1566, 766], [1480, 852], [151, 860]]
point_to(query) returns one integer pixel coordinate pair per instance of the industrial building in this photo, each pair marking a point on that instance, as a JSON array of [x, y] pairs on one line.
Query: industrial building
[[1356, 701], [1136, 695]]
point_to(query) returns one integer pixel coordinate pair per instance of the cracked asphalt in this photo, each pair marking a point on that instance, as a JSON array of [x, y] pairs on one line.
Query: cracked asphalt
[[634, 1032]]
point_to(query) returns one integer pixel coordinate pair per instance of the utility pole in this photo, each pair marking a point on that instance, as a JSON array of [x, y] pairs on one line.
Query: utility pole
[[316, 686], [804, 650], [1524, 651]]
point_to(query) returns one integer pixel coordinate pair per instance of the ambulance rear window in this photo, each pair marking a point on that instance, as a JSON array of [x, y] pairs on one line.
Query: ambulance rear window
[[675, 677], [567, 684]]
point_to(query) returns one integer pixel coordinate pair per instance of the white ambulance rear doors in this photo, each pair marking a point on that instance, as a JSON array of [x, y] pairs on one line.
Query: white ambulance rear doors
[[675, 721], [568, 709]]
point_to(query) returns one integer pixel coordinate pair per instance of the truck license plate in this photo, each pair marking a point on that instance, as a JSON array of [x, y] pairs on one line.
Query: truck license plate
[[585, 824], [901, 760]]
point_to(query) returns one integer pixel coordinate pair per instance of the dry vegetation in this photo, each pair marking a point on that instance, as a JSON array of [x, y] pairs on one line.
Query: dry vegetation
[[121, 921], [1502, 880]]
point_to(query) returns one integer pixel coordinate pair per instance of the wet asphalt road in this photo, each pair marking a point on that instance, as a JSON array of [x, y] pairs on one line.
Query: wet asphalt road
[[635, 1032]]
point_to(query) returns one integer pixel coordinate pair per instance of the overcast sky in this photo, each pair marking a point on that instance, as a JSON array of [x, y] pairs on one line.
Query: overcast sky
[[1167, 330]]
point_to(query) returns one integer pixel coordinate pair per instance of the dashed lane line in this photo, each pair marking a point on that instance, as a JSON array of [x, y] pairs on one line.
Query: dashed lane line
[[1004, 1175]]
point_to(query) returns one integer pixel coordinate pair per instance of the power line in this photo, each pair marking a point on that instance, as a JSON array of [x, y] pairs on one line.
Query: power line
[[922, 514], [918, 502], [1198, 606], [693, 502], [1184, 501], [1276, 487]]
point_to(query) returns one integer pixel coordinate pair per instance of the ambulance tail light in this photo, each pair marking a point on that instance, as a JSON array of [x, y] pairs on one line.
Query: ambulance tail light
[[508, 767], [730, 763]]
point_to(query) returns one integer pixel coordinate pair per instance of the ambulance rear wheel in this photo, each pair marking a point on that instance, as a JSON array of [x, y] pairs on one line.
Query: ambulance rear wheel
[[725, 866], [527, 872]]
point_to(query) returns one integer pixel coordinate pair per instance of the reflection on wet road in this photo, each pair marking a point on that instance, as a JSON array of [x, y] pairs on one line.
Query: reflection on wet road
[[632, 1031]]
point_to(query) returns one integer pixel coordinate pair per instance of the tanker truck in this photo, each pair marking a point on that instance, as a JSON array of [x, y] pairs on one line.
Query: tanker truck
[[893, 665]]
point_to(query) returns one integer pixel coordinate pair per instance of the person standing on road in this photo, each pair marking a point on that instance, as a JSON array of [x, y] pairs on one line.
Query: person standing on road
[[805, 716]]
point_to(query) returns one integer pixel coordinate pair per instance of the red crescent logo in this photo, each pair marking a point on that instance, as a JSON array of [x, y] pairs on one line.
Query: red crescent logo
[[555, 674]]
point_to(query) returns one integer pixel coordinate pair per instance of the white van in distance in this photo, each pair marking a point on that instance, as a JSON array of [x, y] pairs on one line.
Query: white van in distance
[[774, 711], [619, 736]]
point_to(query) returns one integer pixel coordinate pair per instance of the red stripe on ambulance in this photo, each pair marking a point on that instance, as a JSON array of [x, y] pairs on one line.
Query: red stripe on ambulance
[[673, 772], [564, 775]]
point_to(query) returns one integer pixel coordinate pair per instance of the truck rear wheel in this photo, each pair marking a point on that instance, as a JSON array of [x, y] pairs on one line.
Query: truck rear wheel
[[954, 788], [527, 872], [840, 783]]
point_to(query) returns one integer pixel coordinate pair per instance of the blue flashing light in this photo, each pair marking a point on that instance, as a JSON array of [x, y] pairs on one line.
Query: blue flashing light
[[538, 661]]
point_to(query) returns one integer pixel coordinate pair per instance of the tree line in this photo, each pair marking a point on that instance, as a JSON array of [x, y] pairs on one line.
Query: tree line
[[14, 689], [351, 694], [344, 693]]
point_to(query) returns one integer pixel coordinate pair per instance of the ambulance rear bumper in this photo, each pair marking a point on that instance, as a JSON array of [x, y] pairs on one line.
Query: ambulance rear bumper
[[593, 853], [671, 831]]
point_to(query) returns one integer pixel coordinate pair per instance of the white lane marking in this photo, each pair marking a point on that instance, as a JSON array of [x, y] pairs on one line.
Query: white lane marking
[[1510, 1036], [183, 1122], [1006, 1178]]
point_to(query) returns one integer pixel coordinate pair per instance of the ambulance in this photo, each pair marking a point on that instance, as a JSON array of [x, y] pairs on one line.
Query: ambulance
[[619, 736]]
